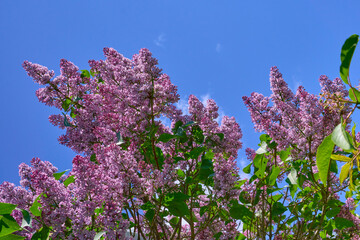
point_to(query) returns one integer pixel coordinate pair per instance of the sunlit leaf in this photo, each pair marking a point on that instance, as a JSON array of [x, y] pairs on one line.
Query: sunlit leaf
[[347, 52], [323, 155]]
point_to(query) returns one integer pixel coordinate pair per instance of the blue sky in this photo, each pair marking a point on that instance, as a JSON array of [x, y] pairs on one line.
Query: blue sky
[[217, 49]]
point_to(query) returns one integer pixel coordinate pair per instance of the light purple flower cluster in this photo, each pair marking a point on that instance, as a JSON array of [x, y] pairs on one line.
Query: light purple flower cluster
[[299, 120], [109, 113]]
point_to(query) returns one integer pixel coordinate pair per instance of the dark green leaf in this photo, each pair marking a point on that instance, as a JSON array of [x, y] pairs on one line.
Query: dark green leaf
[[41, 234], [6, 208], [93, 158], [240, 212], [342, 223], [221, 136], [198, 134], [278, 208], [196, 152], [178, 208], [323, 155], [217, 235], [149, 215], [165, 137], [66, 122], [333, 212], [26, 221], [174, 221], [69, 180], [347, 52]]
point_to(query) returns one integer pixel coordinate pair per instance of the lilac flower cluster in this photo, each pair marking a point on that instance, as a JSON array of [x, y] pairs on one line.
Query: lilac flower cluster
[[299, 120], [108, 116]]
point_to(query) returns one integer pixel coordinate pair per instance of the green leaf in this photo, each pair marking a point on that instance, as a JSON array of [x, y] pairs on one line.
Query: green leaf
[[58, 175], [221, 136], [333, 212], [240, 212], [340, 138], [165, 137], [72, 113], [175, 202], [85, 74], [12, 237], [99, 235], [6, 208], [65, 104], [274, 174], [174, 221], [354, 94], [66, 122], [341, 158], [241, 237], [197, 134], [323, 155], [149, 215], [178, 208], [119, 139], [92, 73], [262, 148], [180, 173], [196, 152], [147, 206], [278, 208], [93, 158], [8, 225], [26, 221], [217, 235], [260, 162], [34, 209], [285, 154], [342, 223], [347, 52], [247, 169], [69, 180], [41, 234], [344, 172]]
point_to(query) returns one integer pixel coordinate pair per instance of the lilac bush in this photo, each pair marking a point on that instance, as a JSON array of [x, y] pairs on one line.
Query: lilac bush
[[136, 178]]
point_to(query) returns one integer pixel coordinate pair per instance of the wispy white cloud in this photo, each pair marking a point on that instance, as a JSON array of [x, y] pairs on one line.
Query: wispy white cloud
[[295, 83], [160, 40], [218, 47], [183, 105], [204, 98]]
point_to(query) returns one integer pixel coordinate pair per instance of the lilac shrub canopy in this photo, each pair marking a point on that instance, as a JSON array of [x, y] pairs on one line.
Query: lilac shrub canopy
[[136, 178]]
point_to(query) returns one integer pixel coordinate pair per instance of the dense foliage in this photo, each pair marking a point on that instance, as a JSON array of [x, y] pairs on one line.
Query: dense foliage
[[137, 178]]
